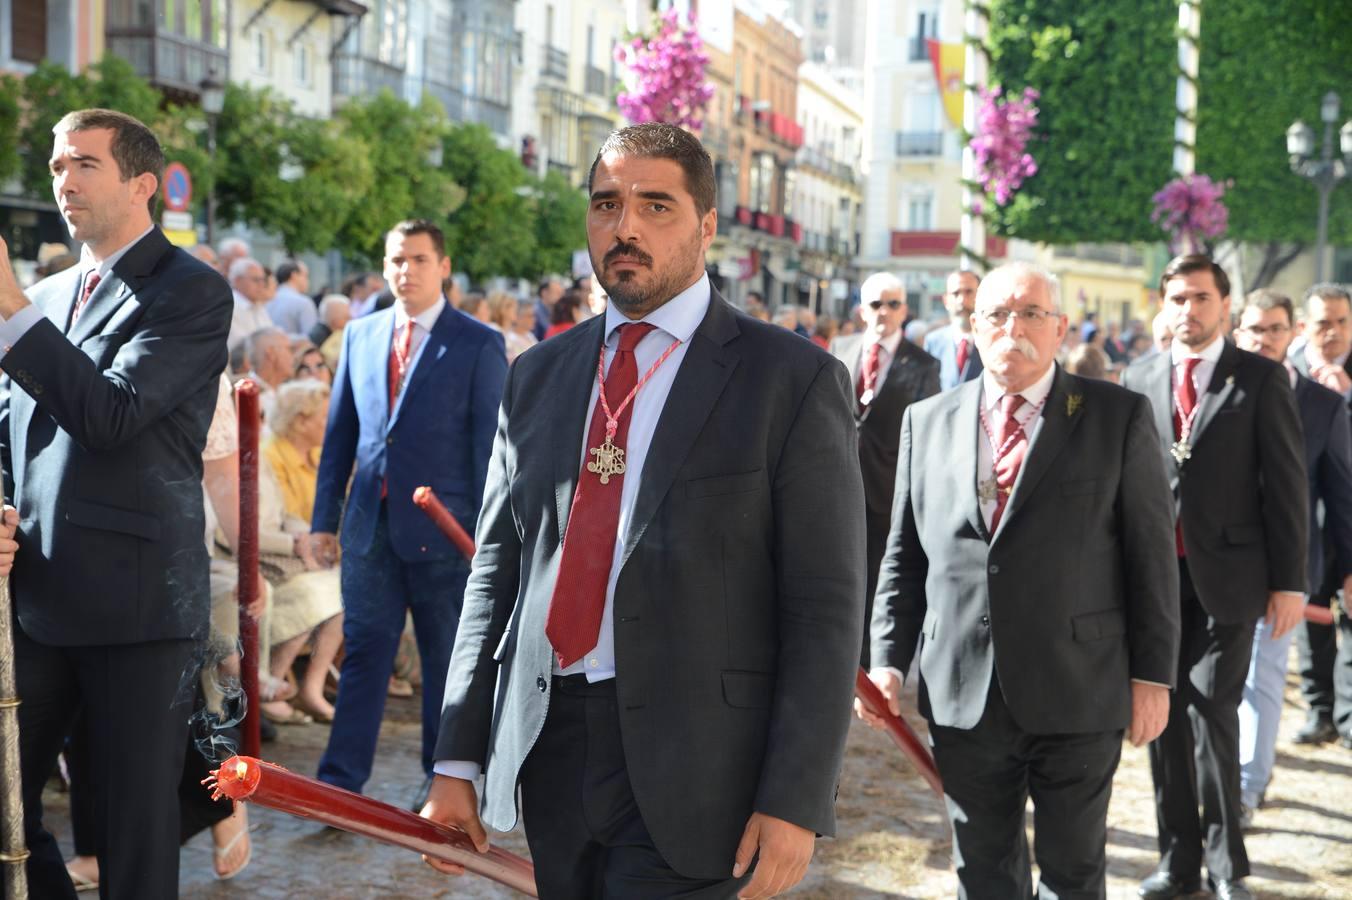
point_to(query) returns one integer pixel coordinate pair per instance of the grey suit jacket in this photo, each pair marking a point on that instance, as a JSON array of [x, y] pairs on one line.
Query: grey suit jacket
[[738, 609], [1075, 594], [1242, 497]]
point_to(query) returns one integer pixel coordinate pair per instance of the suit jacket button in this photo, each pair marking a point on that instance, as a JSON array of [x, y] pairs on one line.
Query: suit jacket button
[[994, 570], [540, 683], [388, 441], [423, 549], [986, 620]]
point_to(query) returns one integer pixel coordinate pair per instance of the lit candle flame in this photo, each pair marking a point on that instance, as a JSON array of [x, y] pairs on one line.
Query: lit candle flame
[[241, 769]]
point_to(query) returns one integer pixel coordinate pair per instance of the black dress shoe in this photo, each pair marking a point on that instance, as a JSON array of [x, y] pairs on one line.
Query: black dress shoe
[[1164, 886], [1230, 889], [1318, 729]]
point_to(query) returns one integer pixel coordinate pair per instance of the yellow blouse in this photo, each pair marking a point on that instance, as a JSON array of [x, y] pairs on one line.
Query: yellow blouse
[[296, 473]]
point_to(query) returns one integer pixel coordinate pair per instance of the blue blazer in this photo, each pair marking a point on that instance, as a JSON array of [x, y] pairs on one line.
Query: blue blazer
[[1328, 462], [441, 433], [941, 345]]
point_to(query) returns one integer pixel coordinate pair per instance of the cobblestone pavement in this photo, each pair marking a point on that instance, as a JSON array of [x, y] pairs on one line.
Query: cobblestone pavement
[[892, 836]]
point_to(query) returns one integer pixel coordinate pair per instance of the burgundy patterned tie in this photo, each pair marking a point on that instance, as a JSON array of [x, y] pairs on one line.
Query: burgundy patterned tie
[[1012, 444], [91, 282]]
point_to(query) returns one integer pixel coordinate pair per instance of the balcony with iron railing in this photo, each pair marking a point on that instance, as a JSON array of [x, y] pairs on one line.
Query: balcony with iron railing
[[598, 82], [918, 49], [554, 63], [168, 61], [920, 143]]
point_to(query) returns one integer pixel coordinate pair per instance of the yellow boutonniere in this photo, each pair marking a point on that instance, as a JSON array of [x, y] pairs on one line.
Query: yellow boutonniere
[[1073, 403]]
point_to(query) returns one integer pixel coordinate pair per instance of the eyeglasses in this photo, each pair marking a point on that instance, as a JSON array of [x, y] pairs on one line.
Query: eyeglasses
[[876, 305], [1262, 331], [1031, 317]]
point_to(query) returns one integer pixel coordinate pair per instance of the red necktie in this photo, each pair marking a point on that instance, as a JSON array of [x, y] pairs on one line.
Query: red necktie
[[868, 374], [1185, 401], [399, 353], [91, 282], [1011, 445], [574, 619], [963, 351]]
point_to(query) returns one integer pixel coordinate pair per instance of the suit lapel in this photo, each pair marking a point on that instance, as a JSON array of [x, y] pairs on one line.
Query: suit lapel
[[575, 378], [1218, 390], [137, 264], [704, 372], [1058, 422], [445, 330], [966, 431], [57, 295]]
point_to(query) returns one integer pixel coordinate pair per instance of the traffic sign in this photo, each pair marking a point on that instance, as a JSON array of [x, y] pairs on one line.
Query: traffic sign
[[177, 187], [176, 221]]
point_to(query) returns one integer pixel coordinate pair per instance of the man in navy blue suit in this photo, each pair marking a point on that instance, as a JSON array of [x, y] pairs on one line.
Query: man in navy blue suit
[[952, 345], [415, 402], [1266, 328]]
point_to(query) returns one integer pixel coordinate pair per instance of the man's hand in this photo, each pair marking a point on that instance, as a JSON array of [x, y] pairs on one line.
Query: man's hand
[[452, 802], [1332, 376], [1285, 609], [324, 547], [1149, 712], [887, 682], [785, 850], [11, 298], [9, 526]]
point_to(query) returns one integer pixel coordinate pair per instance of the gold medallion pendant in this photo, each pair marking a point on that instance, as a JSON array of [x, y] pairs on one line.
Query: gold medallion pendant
[[609, 461]]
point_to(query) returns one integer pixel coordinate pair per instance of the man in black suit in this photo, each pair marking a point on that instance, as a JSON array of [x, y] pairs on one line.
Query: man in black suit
[[1230, 438], [662, 622], [889, 373], [1325, 662], [1266, 327], [113, 369], [1032, 663]]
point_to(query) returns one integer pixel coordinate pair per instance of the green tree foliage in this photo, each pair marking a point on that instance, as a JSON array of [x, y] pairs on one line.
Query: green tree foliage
[[1104, 140], [560, 224], [492, 232], [1263, 66], [10, 87]]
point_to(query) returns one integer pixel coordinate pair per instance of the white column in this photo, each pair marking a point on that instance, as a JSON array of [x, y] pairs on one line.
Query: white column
[[1185, 96], [972, 237]]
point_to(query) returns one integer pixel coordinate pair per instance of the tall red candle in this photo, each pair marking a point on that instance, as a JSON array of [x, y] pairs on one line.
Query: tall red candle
[[899, 730], [270, 785], [246, 396], [427, 501]]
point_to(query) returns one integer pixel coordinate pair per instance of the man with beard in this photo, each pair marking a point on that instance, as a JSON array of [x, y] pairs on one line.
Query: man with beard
[[952, 345], [662, 624], [1030, 669], [1231, 443]]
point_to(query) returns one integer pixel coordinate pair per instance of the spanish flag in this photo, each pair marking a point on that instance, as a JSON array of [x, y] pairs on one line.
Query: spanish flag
[[948, 60]]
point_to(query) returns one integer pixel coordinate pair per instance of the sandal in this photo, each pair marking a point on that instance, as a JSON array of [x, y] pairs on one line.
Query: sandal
[[295, 717], [272, 689], [220, 853], [400, 687]]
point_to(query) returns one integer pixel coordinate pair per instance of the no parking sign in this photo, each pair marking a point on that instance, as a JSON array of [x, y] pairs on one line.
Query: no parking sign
[[177, 189]]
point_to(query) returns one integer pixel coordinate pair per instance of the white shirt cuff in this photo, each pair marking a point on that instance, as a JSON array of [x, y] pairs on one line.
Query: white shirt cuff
[[457, 768]]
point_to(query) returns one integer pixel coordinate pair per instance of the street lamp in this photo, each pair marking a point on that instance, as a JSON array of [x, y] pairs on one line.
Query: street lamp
[[1325, 171], [213, 101]]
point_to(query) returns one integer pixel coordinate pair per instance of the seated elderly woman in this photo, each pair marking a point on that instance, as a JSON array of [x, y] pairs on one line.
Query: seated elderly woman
[[306, 598]]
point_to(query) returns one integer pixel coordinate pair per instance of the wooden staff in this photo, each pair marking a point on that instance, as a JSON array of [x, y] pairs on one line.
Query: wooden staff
[[250, 420], [899, 730], [270, 785], [13, 852]]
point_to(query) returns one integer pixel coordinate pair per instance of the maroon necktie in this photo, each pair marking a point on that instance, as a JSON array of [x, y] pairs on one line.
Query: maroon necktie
[[1011, 443], [91, 282], [868, 375], [963, 351], [398, 368], [1185, 401], [575, 611]]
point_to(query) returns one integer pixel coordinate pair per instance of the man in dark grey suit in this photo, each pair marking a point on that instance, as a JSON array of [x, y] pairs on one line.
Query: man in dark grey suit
[[663, 618], [1230, 438], [889, 373], [1033, 661], [113, 369]]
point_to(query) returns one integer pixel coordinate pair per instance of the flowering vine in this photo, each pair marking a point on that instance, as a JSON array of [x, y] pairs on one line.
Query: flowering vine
[[665, 80], [1000, 144], [1190, 209]]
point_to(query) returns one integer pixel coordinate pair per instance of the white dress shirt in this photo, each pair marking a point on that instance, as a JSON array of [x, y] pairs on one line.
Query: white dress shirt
[[1201, 376], [991, 392], [676, 320], [885, 356], [422, 327]]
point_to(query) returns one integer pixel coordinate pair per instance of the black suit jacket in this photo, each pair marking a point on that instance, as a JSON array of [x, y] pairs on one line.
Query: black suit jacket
[[104, 430], [1075, 594], [1328, 462], [1242, 497], [738, 609], [913, 375]]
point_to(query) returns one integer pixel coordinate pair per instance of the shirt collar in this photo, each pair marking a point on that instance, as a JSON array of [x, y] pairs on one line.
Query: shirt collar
[[889, 343], [1033, 395], [1315, 359], [1291, 372], [427, 318], [678, 317], [1210, 353], [89, 264]]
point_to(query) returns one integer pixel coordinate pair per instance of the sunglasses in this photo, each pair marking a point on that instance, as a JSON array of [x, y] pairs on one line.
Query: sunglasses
[[876, 305]]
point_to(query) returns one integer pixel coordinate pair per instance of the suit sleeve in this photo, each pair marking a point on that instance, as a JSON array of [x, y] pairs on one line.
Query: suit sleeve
[[1146, 527], [818, 498], [178, 345], [485, 400], [340, 447], [1285, 495], [899, 604], [490, 594], [1334, 479]]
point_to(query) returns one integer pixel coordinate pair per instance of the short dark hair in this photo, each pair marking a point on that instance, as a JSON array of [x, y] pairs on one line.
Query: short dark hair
[[964, 272], [410, 227], [287, 269], [658, 140], [134, 147], [1327, 290], [1266, 299], [1195, 262]]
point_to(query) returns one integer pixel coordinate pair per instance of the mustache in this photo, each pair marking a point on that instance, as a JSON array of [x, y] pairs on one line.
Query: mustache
[[1016, 345], [629, 251]]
